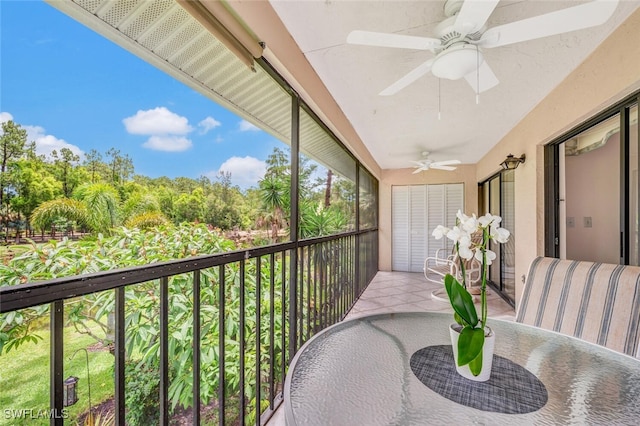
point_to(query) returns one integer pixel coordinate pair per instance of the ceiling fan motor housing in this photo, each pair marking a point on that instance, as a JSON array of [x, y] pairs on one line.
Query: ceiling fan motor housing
[[457, 61]]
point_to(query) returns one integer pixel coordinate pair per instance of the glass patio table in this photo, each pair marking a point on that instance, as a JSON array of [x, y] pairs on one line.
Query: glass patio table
[[397, 369]]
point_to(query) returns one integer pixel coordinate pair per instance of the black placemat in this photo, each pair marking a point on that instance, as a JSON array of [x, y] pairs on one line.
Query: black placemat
[[512, 389]]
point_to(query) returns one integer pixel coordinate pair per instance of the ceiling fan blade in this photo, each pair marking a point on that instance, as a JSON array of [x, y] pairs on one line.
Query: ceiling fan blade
[[449, 168], [418, 170], [370, 38], [570, 19], [408, 79], [473, 15], [445, 163], [486, 76]]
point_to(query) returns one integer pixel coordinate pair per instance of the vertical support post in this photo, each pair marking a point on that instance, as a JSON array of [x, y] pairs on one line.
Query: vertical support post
[[356, 256], [164, 351], [243, 402], [272, 343], [258, 337], [293, 229], [120, 357], [56, 364], [196, 347], [221, 344]]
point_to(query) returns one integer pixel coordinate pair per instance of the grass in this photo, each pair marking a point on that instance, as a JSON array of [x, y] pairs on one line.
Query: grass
[[24, 377]]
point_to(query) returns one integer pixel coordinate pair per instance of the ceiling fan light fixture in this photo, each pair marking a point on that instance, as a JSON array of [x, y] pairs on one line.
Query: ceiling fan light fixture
[[457, 61]]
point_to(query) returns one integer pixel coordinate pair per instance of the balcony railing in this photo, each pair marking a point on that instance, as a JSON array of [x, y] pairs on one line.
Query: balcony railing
[[238, 316]]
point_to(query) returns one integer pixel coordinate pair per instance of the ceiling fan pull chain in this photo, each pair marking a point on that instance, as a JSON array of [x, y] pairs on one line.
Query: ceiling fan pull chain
[[477, 75], [439, 116]]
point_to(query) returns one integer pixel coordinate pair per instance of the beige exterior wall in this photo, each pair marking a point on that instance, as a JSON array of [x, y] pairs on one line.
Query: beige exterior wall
[[605, 77]]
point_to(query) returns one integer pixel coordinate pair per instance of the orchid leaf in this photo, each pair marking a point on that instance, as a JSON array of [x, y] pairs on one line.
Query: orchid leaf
[[475, 366], [470, 346], [461, 300]]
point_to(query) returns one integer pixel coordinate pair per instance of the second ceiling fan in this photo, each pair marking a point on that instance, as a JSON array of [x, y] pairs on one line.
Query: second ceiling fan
[[426, 164], [463, 33]]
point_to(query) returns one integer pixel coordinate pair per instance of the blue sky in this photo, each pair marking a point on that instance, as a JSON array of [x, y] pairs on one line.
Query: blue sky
[[69, 86]]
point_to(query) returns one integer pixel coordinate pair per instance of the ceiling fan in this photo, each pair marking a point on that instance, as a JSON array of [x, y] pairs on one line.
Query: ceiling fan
[[462, 35], [426, 164]]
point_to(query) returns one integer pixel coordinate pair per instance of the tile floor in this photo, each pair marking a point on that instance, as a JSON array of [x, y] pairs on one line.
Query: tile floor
[[406, 292]]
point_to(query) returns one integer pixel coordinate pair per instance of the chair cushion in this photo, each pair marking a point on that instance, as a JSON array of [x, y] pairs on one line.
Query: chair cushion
[[597, 302]]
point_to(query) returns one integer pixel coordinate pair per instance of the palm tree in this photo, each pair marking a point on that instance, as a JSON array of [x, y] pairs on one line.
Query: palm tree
[[102, 204], [275, 200], [45, 215]]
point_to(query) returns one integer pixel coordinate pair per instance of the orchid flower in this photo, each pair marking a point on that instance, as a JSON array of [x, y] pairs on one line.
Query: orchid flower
[[501, 235], [440, 232], [489, 254]]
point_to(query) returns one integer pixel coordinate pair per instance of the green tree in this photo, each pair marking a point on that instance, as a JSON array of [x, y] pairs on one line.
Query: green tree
[[34, 185], [12, 147], [64, 169], [275, 201], [47, 213], [120, 167], [190, 207], [102, 205], [94, 165]]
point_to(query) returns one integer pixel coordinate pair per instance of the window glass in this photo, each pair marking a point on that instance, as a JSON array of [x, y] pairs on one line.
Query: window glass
[[326, 186]]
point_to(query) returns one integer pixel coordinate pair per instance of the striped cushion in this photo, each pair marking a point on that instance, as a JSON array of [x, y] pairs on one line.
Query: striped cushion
[[597, 302]]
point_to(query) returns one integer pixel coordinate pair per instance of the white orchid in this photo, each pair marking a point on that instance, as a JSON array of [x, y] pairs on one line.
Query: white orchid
[[440, 232], [466, 227], [455, 234], [461, 300], [468, 223], [490, 255], [489, 219], [465, 252], [501, 235]]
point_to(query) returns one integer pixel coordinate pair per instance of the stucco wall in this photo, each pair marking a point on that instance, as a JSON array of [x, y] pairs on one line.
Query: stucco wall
[[605, 77]]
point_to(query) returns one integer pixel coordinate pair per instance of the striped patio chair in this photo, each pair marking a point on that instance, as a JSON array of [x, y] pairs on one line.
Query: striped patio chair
[[596, 302]]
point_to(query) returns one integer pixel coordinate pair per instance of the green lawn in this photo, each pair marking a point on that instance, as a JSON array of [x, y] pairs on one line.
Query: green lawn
[[24, 377]]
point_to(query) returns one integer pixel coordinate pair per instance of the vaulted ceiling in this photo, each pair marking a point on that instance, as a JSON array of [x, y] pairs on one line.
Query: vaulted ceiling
[[398, 128]]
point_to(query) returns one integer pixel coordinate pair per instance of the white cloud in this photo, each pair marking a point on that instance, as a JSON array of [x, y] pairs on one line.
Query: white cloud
[[219, 139], [245, 171], [245, 126], [45, 144], [169, 143], [157, 121], [208, 124], [5, 116]]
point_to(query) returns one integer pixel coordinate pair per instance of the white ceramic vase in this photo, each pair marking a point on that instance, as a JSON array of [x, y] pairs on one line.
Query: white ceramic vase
[[487, 354]]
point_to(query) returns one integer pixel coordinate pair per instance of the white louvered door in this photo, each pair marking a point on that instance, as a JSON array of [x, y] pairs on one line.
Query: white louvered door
[[416, 211], [400, 228]]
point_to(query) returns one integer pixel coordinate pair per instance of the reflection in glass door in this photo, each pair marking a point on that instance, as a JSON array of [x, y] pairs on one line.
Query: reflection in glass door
[[497, 196], [634, 189], [590, 182]]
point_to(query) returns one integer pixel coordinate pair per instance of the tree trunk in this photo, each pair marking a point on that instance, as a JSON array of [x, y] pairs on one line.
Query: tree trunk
[[327, 192]]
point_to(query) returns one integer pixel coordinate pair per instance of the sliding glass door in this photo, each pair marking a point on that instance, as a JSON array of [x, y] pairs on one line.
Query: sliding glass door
[[497, 196], [592, 189]]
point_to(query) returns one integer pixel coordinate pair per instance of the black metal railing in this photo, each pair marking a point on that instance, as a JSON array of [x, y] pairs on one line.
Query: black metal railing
[[239, 316]]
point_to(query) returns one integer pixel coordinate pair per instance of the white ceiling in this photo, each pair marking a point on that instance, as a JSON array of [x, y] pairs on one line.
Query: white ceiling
[[397, 128]]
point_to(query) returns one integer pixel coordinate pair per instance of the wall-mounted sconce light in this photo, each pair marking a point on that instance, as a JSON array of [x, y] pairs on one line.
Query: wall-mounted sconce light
[[70, 396], [511, 162]]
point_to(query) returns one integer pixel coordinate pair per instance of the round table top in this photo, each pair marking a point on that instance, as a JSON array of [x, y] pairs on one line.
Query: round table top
[[359, 372]]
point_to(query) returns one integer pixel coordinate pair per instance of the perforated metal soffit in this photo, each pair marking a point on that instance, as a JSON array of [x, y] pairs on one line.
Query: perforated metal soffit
[[162, 33]]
